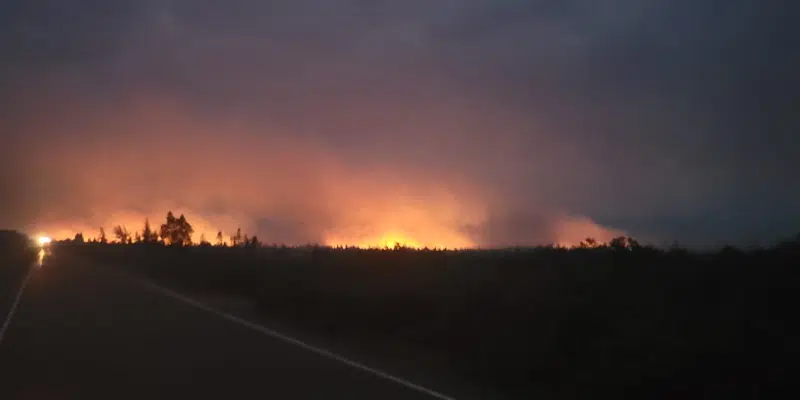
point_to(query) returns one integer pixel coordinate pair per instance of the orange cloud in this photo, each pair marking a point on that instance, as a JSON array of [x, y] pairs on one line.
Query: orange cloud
[[224, 174]]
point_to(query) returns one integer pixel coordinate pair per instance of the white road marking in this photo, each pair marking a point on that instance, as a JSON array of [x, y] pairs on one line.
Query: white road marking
[[280, 336], [14, 306]]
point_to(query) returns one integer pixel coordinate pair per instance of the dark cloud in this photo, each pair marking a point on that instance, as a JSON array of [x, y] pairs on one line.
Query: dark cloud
[[666, 119]]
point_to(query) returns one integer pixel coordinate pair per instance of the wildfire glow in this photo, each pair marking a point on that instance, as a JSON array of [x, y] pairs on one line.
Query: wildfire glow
[[396, 239], [570, 231], [296, 190], [389, 239], [379, 231], [437, 223]]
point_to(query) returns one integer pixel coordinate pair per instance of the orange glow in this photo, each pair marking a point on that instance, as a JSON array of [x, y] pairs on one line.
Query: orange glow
[[134, 223], [283, 186], [391, 239], [413, 228], [571, 231], [296, 190]]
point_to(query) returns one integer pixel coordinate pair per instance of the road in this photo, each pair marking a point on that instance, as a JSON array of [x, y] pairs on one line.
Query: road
[[83, 331]]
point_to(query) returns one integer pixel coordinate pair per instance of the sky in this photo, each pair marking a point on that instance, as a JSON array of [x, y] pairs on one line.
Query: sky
[[458, 123]]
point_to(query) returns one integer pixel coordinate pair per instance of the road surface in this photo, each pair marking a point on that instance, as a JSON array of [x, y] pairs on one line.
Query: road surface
[[82, 331]]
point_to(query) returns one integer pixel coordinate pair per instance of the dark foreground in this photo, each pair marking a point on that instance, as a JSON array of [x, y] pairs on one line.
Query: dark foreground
[[82, 331], [609, 321], [617, 321]]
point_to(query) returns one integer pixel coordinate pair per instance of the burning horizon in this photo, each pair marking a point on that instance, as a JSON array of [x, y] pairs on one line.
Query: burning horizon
[[476, 124], [283, 188], [570, 233], [414, 233]]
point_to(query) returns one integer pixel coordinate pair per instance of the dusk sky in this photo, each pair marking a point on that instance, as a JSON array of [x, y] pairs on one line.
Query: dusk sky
[[452, 122]]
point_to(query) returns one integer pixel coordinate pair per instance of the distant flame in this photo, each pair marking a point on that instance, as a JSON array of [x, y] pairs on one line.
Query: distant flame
[[389, 239], [392, 239]]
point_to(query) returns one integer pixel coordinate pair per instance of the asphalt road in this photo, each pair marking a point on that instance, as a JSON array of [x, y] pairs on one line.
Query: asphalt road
[[83, 331]]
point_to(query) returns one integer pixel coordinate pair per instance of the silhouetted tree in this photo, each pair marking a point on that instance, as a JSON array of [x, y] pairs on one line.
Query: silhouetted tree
[[236, 240], [589, 243], [251, 242], [78, 238], [148, 235], [203, 241], [137, 237], [177, 231], [168, 229], [102, 238], [220, 240], [634, 244], [619, 243], [185, 229], [122, 234]]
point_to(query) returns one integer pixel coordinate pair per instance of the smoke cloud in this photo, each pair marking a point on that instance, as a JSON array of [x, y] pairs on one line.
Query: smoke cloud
[[117, 164], [461, 123]]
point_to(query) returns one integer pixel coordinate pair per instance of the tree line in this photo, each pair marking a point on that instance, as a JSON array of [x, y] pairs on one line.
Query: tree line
[[173, 232], [178, 232]]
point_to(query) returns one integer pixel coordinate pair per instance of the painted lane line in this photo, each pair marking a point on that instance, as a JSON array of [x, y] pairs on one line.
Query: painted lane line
[[288, 339], [14, 305]]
